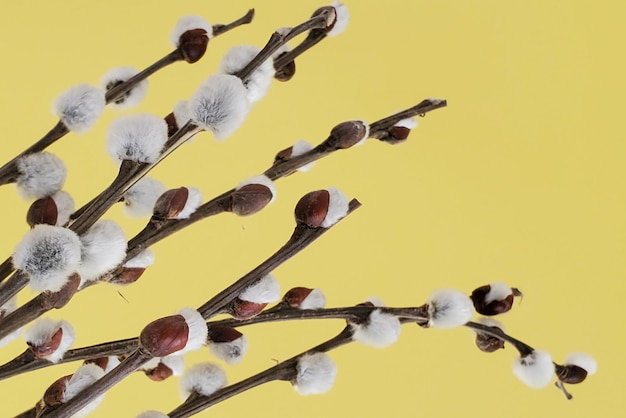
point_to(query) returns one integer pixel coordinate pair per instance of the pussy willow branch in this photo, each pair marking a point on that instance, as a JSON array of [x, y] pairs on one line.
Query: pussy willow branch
[[285, 370], [26, 362], [298, 241], [523, 348], [8, 171]]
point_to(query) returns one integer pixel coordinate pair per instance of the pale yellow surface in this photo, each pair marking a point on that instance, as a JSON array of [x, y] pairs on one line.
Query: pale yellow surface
[[520, 179]]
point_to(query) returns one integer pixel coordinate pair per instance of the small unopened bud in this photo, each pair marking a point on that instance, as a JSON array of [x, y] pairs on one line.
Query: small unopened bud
[[54, 393], [488, 343], [191, 35], [106, 363], [165, 336], [287, 71], [304, 298], [321, 208], [164, 368], [297, 149], [493, 299], [576, 368], [252, 195], [227, 343], [42, 211], [244, 309], [170, 204], [134, 268], [348, 134]]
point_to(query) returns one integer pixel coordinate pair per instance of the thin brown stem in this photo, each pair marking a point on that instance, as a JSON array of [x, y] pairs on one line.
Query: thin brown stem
[[312, 39], [219, 29], [12, 286], [523, 348], [276, 41], [285, 370], [378, 129]]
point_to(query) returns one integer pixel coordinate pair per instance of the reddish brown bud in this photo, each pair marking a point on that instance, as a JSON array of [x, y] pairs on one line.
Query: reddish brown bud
[[397, 134], [101, 362], [54, 394], [287, 71], [347, 134], [295, 296], [571, 373], [490, 306], [172, 125], [243, 309], [222, 334], [170, 204], [128, 275], [283, 155], [487, 343], [250, 199], [193, 44], [165, 336], [59, 299], [331, 17], [312, 208], [159, 373], [42, 211], [48, 347]]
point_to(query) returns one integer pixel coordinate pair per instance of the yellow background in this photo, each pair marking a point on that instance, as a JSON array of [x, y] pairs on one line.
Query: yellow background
[[519, 180]]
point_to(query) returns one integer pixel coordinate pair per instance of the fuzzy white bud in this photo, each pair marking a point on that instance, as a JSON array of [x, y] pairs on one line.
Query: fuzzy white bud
[[80, 107], [186, 23], [262, 180], [220, 105], [203, 378], [139, 200], [231, 352], [258, 83], [103, 247], [194, 200], [40, 174], [85, 376], [497, 291], [449, 308], [65, 206], [49, 254], [584, 361], [41, 332], [314, 300], [535, 370], [142, 260], [136, 137], [379, 330], [316, 374], [132, 97], [342, 19], [337, 207], [264, 290], [198, 331]]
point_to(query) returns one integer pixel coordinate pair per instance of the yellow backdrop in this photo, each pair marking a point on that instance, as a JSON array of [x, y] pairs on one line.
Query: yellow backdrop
[[520, 179]]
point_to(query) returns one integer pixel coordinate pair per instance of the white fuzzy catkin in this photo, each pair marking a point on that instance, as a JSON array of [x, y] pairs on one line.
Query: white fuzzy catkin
[[258, 83], [379, 330], [263, 180], [342, 19], [9, 307], [337, 207], [316, 374], [231, 352], [49, 254], [220, 105], [497, 291], [65, 206], [139, 200], [198, 331], [42, 331], [449, 308], [152, 414], [85, 376], [264, 290], [300, 148], [40, 174], [137, 138], [186, 23], [536, 370], [202, 378], [142, 260], [314, 300], [181, 113], [582, 360], [133, 96], [103, 247], [80, 107], [194, 200]]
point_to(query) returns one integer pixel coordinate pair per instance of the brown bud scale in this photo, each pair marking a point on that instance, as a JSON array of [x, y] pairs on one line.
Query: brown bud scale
[[312, 208], [165, 335]]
